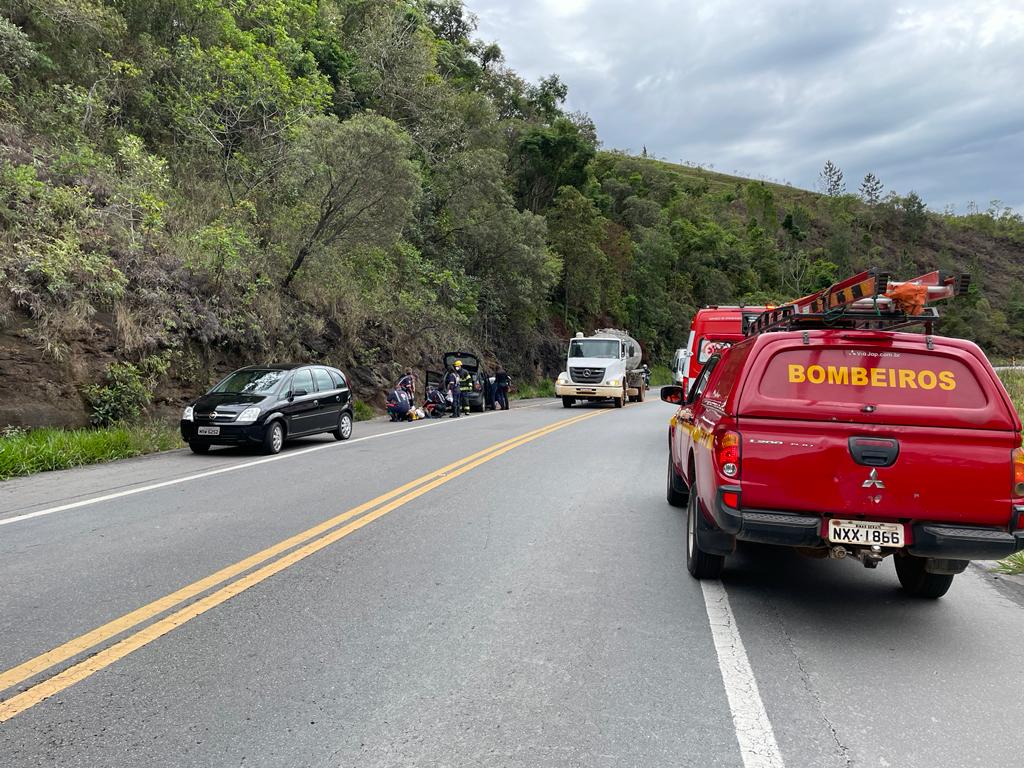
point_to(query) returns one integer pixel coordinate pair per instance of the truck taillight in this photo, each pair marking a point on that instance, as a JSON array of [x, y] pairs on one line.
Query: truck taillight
[[1018, 472], [727, 453]]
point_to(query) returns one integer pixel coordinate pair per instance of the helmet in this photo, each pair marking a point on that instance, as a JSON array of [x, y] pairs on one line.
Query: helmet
[[458, 363]]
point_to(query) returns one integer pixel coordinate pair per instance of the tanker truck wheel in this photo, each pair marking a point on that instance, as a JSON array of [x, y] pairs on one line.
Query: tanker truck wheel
[[567, 402], [620, 401]]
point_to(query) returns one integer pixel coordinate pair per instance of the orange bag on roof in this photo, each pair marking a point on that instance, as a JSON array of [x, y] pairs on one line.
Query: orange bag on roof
[[909, 298]]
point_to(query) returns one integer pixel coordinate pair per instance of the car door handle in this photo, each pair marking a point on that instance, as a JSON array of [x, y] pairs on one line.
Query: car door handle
[[316, 403]]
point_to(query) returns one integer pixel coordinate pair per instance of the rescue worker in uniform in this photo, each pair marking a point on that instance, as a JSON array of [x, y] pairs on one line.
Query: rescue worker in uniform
[[408, 383], [451, 385], [465, 385], [502, 382]]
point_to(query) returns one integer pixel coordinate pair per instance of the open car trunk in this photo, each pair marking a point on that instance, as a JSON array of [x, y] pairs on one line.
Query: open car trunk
[[469, 361]]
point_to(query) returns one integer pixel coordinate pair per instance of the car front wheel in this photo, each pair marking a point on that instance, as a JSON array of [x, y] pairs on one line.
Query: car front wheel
[[198, 447], [344, 428], [273, 438], [676, 493]]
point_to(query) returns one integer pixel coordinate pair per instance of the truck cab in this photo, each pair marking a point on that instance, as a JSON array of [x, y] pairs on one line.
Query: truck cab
[[604, 366], [711, 330]]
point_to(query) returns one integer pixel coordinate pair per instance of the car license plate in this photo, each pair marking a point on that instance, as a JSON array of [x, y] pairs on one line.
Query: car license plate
[[865, 533], [208, 431]]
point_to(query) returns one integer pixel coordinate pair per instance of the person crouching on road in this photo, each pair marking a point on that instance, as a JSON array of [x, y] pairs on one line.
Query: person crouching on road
[[502, 382], [465, 385], [451, 385]]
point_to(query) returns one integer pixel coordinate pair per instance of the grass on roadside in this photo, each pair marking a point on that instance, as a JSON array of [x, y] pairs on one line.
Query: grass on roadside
[[661, 375], [40, 450], [543, 388], [362, 411], [1014, 383], [1012, 565]]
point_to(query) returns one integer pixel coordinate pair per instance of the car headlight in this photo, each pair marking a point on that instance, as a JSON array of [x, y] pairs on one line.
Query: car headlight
[[561, 378], [189, 414], [613, 383], [248, 416]]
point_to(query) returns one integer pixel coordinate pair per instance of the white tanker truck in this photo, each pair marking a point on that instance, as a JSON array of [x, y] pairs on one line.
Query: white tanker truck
[[605, 366]]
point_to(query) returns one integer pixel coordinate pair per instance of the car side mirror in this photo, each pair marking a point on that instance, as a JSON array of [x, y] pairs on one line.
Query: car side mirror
[[674, 395]]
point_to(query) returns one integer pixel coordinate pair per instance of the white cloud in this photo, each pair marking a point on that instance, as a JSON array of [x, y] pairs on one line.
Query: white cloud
[[924, 93]]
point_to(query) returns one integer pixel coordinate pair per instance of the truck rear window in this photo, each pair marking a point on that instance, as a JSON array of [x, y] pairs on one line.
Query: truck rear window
[[859, 376]]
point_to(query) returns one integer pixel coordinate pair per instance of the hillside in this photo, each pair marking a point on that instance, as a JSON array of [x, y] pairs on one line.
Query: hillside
[[191, 185]]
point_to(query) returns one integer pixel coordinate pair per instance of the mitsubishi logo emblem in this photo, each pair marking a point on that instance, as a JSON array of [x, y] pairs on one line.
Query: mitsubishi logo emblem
[[873, 480]]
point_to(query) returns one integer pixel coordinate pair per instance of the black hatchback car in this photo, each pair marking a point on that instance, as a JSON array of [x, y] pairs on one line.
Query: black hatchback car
[[268, 404]]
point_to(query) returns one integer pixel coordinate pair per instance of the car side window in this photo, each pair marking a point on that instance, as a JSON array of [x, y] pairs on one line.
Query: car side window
[[302, 380], [703, 377], [722, 383], [324, 382], [339, 378]]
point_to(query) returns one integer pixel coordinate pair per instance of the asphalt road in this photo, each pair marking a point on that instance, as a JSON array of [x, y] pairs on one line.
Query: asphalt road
[[351, 605]]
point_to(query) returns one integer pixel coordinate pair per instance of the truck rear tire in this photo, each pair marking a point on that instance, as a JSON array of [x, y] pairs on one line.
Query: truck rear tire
[[699, 563], [567, 402], [916, 581], [676, 492]]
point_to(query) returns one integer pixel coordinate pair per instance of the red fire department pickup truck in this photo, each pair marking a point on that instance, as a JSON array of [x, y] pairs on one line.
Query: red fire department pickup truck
[[849, 441]]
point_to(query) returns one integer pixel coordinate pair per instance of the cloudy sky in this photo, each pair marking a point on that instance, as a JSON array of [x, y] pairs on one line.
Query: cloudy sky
[[927, 94]]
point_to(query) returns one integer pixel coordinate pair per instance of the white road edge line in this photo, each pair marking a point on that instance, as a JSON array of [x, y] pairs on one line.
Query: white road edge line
[[754, 733], [209, 473]]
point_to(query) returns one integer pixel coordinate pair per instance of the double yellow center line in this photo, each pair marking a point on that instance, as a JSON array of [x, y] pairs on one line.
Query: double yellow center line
[[240, 576]]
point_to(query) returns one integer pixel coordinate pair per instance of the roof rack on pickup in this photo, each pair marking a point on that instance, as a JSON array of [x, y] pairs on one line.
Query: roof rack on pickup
[[870, 300]]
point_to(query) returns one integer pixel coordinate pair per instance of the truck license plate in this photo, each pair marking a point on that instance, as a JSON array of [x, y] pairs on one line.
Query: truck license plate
[[209, 431], [865, 533]]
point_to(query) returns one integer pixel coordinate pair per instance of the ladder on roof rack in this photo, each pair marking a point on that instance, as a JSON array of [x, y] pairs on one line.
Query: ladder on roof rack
[[870, 300]]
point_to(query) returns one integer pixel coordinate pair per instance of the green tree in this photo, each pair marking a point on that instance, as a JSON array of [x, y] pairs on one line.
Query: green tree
[[871, 189], [354, 183], [549, 158], [575, 231], [830, 180]]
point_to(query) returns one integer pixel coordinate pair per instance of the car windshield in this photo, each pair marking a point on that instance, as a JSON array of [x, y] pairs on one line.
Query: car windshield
[[607, 348], [250, 382]]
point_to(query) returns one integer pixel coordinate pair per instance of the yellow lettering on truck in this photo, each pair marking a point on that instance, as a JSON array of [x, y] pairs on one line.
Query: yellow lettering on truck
[[857, 376], [839, 375]]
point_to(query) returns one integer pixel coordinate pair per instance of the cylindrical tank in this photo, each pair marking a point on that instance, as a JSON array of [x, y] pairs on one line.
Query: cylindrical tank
[[633, 352]]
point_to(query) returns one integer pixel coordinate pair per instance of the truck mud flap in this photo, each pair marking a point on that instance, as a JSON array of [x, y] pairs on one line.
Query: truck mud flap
[[713, 540]]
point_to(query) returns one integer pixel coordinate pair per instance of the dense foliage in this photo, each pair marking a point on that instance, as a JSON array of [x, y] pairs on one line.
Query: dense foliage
[[361, 181]]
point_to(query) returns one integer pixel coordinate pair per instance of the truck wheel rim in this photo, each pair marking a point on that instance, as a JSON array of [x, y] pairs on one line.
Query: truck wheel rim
[[691, 524]]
